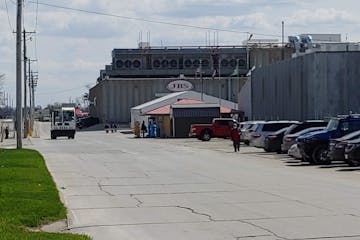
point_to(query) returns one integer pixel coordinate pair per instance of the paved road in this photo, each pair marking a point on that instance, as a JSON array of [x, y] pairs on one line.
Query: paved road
[[119, 188]]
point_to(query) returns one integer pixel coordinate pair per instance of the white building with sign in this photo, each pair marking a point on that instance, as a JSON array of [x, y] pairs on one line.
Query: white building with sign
[[138, 112]]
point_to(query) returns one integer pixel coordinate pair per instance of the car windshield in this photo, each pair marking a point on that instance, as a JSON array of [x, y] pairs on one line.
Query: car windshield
[[332, 125]]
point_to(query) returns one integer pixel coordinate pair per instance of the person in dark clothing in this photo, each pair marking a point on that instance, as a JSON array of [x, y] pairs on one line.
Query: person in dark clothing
[[6, 132], [235, 137], [143, 129]]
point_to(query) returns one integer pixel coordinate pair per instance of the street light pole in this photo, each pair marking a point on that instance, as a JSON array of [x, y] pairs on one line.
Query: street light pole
[[18, 75]]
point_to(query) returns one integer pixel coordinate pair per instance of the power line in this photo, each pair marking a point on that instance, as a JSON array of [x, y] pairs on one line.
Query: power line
[[149, 20]]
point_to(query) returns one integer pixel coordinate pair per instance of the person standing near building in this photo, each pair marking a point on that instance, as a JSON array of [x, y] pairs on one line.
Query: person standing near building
[[235, 137], [143, 129], [6, 132]]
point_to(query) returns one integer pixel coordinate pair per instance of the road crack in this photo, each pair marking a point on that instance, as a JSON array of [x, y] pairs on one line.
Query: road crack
[[264, 229], [197, 213], [137, 199], [103, 190]]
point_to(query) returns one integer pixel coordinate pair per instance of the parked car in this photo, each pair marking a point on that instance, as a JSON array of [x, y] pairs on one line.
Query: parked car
[[297, 127], [314, 146], [257, 137], [290, 139], [352, 153], [273, 141], [220, 127], [294, 151], [85, 122], [246, 132], [337, 146]]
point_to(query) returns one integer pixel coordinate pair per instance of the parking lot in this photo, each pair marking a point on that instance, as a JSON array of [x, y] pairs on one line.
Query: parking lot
[[119, 187]]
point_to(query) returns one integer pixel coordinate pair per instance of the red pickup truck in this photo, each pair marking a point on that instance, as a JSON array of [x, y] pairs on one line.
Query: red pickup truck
[[220, 127]]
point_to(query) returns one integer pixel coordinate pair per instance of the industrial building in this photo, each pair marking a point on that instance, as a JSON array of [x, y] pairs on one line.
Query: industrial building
[[315, 85], [136, 76]]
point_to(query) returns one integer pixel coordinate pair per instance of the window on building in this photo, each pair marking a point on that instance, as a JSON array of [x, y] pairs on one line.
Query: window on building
[[156, 64], [196, 63], [188, 63], [205, 63], [173, 63], [136, 64], [128, 64], [165, 63], [119, 64], [224, 63]]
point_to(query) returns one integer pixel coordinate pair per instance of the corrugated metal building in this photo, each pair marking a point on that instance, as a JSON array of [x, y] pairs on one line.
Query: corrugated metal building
[[312, 86], [136, 76]]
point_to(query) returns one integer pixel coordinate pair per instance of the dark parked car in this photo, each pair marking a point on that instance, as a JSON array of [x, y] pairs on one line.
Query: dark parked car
[[314, 146], [297, 127], [273, 141], [352, 153], [290, 139], [86, 122], [337, 146]]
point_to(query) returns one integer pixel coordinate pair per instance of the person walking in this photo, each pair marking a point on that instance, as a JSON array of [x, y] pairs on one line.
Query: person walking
[[143, 129], [235, 137]]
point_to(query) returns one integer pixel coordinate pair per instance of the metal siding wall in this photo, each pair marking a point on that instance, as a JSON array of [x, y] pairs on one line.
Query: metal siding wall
[[118, 101], [313, 86]]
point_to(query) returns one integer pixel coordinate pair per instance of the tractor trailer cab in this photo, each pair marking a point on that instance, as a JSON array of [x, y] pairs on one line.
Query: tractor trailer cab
[[63, 122]]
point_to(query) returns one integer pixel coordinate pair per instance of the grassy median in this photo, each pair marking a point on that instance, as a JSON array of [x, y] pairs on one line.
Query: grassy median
[[28, 197]]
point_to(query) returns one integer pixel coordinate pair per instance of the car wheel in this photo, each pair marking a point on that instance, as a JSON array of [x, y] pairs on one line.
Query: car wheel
[[267, 149], [205, 135], [247, 142], [319, 155], [353, 163]]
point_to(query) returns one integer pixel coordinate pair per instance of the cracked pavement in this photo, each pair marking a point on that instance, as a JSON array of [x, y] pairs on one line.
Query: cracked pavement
[[118, 187]]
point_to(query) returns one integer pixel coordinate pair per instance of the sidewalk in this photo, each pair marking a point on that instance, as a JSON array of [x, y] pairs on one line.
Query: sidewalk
[[11, 143]]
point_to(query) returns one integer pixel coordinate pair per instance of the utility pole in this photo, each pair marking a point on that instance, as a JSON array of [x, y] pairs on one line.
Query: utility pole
[[33, 85], [18, 75], [282, 41], [25, 83], [26, 115], [202, 81]]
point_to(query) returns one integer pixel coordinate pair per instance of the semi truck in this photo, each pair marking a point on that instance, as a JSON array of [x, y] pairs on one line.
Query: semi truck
[[63, 122]]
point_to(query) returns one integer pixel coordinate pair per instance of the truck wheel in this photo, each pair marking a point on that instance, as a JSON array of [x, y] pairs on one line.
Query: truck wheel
[[205, 135], [53, 136], [319, 155]]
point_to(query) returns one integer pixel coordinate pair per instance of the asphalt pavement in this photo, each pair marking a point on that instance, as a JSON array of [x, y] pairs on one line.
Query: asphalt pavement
[[117, 187]]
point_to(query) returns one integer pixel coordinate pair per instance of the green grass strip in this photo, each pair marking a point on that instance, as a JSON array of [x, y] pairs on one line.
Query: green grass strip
[[28, 197]]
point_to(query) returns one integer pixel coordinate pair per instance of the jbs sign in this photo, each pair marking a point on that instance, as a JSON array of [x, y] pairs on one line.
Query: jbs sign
[[179, 86]]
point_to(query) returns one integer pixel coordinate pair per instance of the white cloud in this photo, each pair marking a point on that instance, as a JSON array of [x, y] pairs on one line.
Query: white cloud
[[323, 16]]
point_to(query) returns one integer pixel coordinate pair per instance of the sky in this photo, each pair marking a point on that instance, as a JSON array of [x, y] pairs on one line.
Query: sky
[[71, 46]]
